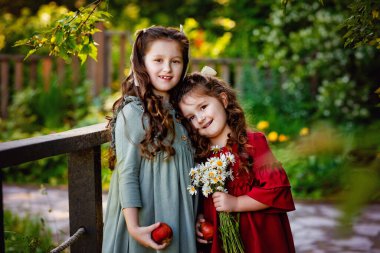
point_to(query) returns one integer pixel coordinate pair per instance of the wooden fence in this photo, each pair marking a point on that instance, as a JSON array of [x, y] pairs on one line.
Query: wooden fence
[[113, 52], [84, 178]]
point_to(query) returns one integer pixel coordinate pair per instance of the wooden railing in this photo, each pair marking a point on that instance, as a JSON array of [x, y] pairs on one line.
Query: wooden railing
[[84, 178], [15, 73]]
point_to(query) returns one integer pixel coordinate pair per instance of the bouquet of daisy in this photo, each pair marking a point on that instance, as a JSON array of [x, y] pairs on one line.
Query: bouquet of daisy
[[210, 177]]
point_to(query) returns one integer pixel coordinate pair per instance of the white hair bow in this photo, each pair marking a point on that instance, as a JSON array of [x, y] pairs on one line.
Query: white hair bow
[[208, 71]]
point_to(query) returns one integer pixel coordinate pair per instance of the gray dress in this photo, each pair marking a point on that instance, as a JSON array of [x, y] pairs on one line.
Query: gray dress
[[158, 187]]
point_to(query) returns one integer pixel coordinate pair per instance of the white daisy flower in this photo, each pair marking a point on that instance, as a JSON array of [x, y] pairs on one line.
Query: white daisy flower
[[192, 190]]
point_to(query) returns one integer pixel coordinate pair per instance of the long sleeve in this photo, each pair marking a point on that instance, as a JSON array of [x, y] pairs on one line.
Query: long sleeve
[[129, 132]]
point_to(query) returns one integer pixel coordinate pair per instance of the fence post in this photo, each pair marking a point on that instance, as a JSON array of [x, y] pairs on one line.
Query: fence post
[[123, 41], [47, 65], [96, 69], [61, 71], [19, 74], [85, 199], [225, 69], [33, 72], [4, 88], [238, 78]]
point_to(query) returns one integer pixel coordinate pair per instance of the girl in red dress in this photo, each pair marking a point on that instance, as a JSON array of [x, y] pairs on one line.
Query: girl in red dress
[[260, 191]]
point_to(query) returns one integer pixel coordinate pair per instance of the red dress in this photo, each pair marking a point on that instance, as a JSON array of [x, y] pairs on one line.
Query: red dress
[[264, 231]]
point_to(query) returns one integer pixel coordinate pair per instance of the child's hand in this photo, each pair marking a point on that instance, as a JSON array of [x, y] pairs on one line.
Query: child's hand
[[143, 236], [224, 202], [200, 239]]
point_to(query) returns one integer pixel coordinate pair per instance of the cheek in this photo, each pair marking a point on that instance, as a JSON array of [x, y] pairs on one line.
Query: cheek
[[194, 125]]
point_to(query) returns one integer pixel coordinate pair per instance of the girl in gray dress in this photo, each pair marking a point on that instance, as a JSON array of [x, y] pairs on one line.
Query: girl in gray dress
[[152, 155]]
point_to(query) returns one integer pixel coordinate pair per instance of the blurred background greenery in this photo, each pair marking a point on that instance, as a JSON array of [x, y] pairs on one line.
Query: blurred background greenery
[[317, 100], [313, 88]]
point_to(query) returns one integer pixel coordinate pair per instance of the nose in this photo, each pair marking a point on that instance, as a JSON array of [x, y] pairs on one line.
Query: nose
[[200, 117], [167, 66]]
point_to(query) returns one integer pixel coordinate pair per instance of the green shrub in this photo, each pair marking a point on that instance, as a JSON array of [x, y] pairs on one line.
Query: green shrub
[[26, 234], [334, 163]]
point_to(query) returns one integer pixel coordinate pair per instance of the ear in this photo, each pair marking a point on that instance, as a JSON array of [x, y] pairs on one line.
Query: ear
[[223, 97]]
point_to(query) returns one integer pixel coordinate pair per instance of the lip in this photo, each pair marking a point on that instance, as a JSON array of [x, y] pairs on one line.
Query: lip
[[167, 78], [207, 124]]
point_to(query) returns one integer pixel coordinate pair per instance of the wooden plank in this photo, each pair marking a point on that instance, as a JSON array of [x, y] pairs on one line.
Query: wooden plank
[[53, 144], [75, 66], [123, 42], [61, 71], [85, 199], [238, 78], [91, 74], [18, 75], [100, 65], [4, 88], [33, 73], [108, 69], [46, 72], [225, 73]]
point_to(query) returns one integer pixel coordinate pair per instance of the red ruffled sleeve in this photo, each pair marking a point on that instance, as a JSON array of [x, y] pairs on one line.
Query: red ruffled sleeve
[[271, 184]]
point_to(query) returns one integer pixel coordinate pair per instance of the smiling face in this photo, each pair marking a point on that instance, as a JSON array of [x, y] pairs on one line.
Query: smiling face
[[207, 114], [164, 64]]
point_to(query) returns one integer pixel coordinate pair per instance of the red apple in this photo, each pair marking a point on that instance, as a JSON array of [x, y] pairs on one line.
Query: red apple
[[162, 234], [207, 230]]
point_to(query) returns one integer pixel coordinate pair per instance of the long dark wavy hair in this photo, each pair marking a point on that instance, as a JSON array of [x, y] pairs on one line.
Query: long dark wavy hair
[[138, 83], [212, 86]]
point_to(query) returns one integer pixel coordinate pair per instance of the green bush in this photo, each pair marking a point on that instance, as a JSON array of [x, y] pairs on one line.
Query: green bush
[[36, 112], [26, 234], [334, 163]]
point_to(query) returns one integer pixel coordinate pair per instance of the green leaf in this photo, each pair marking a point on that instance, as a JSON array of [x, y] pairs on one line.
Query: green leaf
[[70, 42], [64, 55], [86, 40], [30, 53], [59, 37], [21, 42], [86, 49], [93, 52], [83, 58]]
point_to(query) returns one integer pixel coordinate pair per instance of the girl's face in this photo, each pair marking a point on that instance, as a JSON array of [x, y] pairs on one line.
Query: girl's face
[[208, 115], [164, 63]]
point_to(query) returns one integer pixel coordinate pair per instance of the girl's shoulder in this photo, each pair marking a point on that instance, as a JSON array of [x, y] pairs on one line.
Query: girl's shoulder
[[260, 149], [256, 138], [131, 103], [129, 116]]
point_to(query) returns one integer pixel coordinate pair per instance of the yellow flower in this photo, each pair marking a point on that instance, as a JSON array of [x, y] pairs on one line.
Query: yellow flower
[[304, 131], [375, 14], [262, 125], [283, 138], [272, 136]]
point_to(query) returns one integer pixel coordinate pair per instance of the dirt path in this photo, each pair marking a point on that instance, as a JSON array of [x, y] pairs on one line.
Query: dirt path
[[313, 225]]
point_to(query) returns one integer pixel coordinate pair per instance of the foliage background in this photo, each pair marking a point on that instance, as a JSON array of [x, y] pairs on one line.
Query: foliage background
[[314, 89], [306, 85]]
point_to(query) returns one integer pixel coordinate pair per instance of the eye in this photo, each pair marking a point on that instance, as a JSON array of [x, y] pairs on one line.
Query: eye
[[157, 60], [203, 107], [190, 118], [177, 61]]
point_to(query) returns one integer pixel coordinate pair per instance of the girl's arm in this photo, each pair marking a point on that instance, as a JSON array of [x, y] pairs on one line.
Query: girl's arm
[[228, 203], [141, 234]]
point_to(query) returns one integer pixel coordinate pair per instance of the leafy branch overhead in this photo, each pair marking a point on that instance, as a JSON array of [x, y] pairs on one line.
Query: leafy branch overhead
[[71, 35], [363, 26]]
